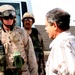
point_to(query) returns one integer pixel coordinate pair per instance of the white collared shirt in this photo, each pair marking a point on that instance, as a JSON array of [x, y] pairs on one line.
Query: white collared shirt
[[62, 55]]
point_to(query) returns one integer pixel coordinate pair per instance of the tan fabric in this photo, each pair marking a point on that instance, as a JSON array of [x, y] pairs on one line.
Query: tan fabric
[[15, 41]]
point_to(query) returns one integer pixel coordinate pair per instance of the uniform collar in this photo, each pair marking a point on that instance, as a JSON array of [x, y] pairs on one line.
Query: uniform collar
[[12, 27]]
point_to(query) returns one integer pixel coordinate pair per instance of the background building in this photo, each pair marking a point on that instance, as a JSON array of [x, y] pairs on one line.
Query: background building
[[46, 39]]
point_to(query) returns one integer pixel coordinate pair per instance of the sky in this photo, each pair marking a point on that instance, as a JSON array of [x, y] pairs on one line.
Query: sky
[[41, 7]]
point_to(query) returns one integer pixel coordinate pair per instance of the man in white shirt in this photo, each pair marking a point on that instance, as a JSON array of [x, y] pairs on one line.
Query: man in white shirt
[[61, 60]]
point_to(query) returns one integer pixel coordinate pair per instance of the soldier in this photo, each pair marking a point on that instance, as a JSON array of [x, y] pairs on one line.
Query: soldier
[[19, 51], [28, 20]]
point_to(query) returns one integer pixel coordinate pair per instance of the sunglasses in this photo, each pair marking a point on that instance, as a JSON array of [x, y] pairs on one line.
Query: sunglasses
[[27, 19], [8, 17], [8, 12]]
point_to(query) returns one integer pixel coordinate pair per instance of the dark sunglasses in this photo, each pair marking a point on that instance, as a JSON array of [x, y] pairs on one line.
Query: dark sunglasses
[[27, 19], [8, 17]]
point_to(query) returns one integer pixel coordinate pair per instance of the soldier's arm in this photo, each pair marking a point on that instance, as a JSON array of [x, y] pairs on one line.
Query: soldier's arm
[[32, 59], [42, 44]]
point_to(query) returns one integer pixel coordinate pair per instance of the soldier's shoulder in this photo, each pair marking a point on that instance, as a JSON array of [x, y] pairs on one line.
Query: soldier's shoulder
[[17, 27]]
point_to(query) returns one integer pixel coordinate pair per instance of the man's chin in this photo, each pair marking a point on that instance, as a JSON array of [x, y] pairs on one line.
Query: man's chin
[[9, 26], [27, 28]]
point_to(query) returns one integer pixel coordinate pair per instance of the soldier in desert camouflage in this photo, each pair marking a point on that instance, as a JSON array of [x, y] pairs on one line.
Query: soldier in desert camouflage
[[19, 51], [28, 20]]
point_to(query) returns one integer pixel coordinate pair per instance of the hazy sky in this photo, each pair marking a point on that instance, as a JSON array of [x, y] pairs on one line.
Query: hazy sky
[[41, 7]]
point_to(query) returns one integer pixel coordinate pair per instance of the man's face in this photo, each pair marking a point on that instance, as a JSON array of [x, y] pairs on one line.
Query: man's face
[[49, 29], [28, 23], [8, 20]]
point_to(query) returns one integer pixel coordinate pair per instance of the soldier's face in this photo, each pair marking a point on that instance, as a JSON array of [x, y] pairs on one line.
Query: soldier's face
[[8, 20], [28, 23]]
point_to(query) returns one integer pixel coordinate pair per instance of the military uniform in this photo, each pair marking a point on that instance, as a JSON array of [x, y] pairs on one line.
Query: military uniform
[[18, 43], [38, 48], [28, 20]]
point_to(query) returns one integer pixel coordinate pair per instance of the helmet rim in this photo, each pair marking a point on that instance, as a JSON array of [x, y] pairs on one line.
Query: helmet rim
[[6, 7], [28, 15]]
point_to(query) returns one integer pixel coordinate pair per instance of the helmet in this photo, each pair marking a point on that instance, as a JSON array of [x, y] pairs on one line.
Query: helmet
[[28, 15], [6, 10]]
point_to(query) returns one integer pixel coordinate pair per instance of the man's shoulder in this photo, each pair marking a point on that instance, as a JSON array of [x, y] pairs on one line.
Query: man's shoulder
[[21, 30], [17, 27], [34, 29]]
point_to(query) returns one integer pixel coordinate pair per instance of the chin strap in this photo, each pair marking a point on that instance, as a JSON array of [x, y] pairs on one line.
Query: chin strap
[[9, 26]]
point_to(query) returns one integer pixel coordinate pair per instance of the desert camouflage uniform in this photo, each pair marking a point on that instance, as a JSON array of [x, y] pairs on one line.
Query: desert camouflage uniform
[[39, 50], [14, 43]]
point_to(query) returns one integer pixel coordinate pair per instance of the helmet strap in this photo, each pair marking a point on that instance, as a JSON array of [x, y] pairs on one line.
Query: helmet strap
[[9, 26]]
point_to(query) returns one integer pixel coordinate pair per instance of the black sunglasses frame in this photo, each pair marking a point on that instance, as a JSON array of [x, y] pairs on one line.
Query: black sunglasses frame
[[8, 17]]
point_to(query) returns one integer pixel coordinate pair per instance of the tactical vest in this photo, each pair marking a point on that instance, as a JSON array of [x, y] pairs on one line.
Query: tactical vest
[[36, 41], [38, 48]]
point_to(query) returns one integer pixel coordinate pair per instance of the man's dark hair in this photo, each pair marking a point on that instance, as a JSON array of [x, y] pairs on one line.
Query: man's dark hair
[[61, 17]]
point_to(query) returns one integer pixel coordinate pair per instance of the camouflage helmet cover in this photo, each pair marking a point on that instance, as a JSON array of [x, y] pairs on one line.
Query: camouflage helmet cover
[[28, 15], [6, 7]]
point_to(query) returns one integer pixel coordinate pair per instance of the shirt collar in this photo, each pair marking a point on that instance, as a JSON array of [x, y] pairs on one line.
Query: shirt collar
[[59, 38]]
